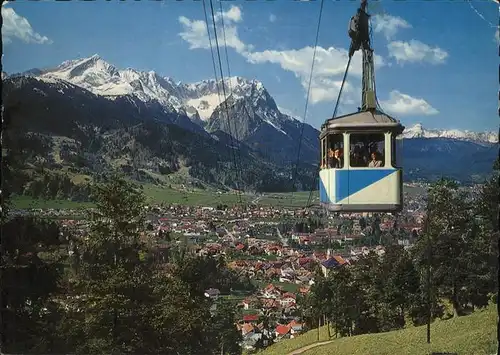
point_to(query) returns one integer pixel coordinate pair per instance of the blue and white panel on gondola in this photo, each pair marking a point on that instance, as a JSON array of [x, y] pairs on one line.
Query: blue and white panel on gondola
[[360, 186]]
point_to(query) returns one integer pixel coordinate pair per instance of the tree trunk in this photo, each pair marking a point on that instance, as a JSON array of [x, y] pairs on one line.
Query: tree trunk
[[457, 308], [319, 325]]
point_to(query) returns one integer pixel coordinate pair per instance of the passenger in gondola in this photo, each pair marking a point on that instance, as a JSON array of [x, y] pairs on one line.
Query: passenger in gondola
[[338, 160], [376, 161], [357, 160], [328, 159], [333, 159]]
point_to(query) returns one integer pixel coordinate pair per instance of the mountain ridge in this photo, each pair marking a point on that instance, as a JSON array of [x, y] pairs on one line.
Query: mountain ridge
[[418, 131], [197, 100], [200, 102]]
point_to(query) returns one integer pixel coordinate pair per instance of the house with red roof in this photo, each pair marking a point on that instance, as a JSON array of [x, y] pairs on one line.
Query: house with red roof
[[288, 299], [282, 331], [271, 291], [272, 249], [251, 318], [296, 328], [269, 303], [247, 328], [239, 247], [303, 261]]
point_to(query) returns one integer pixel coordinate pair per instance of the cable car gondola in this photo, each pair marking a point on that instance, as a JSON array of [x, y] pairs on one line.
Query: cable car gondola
[[359, 171]]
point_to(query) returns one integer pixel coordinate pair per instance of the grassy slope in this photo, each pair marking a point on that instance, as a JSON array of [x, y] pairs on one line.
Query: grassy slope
[[287, 346], [474, 334]]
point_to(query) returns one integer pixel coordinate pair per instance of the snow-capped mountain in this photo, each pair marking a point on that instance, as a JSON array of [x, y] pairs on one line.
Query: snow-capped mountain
[[202, 102], [101, 78], [418, 131], [261, 125], [197, 100], [205, 96]]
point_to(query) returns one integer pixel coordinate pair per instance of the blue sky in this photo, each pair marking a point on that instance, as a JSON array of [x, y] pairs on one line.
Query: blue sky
[[437, 65]]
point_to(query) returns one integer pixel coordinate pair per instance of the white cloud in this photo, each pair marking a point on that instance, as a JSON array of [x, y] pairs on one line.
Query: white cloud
[[388, 25], [195, 31], [402, 104], [497, 36], [416, 51], [232, 15], [18, 27], [329, 67], [272, 18]]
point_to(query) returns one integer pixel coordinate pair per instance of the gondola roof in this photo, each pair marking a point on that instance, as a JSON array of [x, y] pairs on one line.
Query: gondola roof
[[363, 120]]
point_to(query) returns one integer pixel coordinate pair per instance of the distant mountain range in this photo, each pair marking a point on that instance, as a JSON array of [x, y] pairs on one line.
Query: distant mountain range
[[141, 121], [417, 131]]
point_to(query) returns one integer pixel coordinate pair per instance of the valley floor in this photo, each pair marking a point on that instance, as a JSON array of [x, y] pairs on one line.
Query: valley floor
[[475, 334], [159, 194]]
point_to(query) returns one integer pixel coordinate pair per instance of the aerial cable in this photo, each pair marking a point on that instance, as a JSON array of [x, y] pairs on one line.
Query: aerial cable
[[211, 49], [213, 59], [341, 87], [230, 86], [294, 177], [225, 46], [238, 172], [225, 100], [379, 107]]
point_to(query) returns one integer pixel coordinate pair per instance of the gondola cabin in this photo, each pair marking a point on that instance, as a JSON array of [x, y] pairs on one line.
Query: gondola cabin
[[360, 168]]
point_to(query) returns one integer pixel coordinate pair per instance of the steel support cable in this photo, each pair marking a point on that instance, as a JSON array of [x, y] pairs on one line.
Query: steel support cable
[[240, 169], [379, 107], [211, 49], [341, 87], [294, 177], [222, 82], [225, 101], [213, 59]]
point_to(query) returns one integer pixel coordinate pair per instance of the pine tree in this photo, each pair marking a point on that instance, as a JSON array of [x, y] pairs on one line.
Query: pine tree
[[487, 232], [451, 254], [113, 283], [224, 331]]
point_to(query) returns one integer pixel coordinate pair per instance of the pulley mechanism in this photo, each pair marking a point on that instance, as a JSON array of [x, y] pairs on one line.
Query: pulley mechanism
[[359, 32]]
